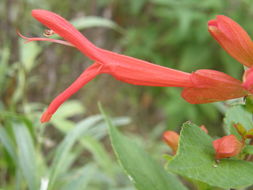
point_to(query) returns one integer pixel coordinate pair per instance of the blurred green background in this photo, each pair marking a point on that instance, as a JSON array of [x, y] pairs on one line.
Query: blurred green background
[[166, 32]]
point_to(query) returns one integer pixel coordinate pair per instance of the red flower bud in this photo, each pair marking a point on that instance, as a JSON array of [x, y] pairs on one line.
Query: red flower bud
[[227, 146], [172, 139]]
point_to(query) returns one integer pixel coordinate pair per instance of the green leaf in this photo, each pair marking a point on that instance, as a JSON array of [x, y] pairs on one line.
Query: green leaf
[[4, 69], [142, 170], [28, 54], [101, 157], [68, 109], [249, 104], [64, 148], [237, 114], [195, 160], [248, 149], [81, 178], [93, 21], [26, 155], [8, 144], [19, 91], [100, 130]]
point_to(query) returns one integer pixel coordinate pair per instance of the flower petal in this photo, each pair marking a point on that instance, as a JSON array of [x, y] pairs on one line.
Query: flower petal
[[139, 72], [233, 38], [89, 74], [227, 146], [212, 86], [67, 31]]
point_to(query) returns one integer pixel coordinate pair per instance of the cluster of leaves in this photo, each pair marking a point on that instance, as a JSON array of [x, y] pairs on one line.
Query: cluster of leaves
[[26, 164], [32, 160], [195, 159]]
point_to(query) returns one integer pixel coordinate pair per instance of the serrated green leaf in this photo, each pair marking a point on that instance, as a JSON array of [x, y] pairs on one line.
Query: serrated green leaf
[[195, 160], [142, 170]]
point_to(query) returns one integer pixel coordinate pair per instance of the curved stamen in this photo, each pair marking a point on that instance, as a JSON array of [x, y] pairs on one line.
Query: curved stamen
[[44, 39]]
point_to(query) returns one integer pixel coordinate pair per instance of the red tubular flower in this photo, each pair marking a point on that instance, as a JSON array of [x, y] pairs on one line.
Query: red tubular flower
[[171, 138], [227, 146], [123, 68], [202, 86], [233, 38]]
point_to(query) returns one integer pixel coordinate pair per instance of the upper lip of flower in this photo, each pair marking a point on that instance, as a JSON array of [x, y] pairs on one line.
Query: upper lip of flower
[[135, 71], [113, 61], [212, 24], [233, 38]]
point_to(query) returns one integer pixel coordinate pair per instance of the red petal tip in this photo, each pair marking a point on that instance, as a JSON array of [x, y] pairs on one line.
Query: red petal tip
[[212, 23], [45, 117]]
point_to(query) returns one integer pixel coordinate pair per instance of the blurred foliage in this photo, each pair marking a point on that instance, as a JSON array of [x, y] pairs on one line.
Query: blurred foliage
[[166, 32], [195, 160], [144, 172], [33, 159]]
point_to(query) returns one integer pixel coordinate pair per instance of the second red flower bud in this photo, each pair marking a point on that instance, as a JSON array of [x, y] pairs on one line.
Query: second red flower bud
[[227, 146]]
